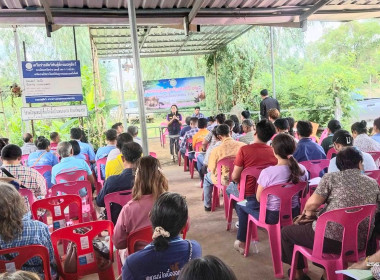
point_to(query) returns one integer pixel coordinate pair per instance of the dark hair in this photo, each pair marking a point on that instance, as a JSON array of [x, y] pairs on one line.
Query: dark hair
[[27, 137], [304, 128], [76, 133], [111, 134], [334, 125], [359, 127], [11, 152], [175, 107], [207, 268], [246, 114], [265, 130], [214, 131], [131, 152], [202, 123], [230, 123], [194, 120], [123, 138], [211, 119], [220, 118], [291, 125], [75, 146], [376, 123], [83, 138], [197, 107], [2, 144], [187, 120], [116, 125], [42, 143], [223, 130], [348, 158], [169, 212], [343, 137], [264, 92], [284, 145], [237, 123], [53, 135], [281, 124]]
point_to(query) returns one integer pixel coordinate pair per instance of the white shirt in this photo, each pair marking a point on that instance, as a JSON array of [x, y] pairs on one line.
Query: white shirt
[[366, 144], [113, 154], [368, 163]]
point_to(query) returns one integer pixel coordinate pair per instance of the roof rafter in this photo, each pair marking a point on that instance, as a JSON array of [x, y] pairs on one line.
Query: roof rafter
[[313, 9]]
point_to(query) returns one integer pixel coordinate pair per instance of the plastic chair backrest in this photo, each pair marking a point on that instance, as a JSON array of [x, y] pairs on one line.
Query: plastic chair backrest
[[315, 166], [24, 160], [324, 134], [331, 152], [23, 254], [153, 154], [141, 235], [42, 169], [375, 174], [228, 162], [253, 171], [84, 245], [198, 146], [376, 157], [121, 198], [71, 176], [56, 206], [28, 194], [99, 164], [285, 193], [349, 218], [71, 187]]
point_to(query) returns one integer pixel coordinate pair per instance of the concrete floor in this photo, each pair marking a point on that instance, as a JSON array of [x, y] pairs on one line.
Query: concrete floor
[[209, 228]]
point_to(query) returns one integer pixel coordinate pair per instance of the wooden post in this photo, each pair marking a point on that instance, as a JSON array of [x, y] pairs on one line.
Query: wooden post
[[30, 104]]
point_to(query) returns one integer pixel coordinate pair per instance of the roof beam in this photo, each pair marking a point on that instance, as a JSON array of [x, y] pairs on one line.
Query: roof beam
[[144, 38], [194, 10], [313, 9]]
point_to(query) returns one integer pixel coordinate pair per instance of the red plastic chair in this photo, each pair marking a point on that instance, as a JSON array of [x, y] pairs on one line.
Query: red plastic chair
[[84, 248], [166, 132], [375, 174], [285, 193], [349, 218], [331, 153], [247, 172], [228, 162], [87, 159], [324, 134], [186, 156], [100, 180], [42, 169], [376, 157], [74, 188], [315, 166], [197, 148], [153, 154], [56, 206], [121, 198], [24, 160], [28, 195], [71, 176], [23, 254]]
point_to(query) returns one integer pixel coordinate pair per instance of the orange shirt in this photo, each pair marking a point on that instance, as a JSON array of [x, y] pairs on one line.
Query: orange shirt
[[199, 136]]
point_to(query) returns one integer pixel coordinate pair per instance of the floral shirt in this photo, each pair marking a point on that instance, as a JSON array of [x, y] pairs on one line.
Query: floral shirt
[[366, 144], [343, 189]]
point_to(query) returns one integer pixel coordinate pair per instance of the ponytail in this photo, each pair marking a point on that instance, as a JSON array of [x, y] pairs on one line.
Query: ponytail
[[295, 171]]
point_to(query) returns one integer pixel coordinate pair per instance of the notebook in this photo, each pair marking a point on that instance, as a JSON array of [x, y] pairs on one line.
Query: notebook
[[356, 274]]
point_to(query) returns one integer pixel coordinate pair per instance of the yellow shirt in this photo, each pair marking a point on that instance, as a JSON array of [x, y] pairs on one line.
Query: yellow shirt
[[199, 136], [114, 167], [228, 148]]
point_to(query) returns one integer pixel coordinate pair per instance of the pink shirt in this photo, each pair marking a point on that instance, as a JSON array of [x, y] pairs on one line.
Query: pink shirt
[[133, 216]]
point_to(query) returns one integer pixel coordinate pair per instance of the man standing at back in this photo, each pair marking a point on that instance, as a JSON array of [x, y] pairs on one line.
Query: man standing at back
[[267, 103], [28, 146], [86, 149]]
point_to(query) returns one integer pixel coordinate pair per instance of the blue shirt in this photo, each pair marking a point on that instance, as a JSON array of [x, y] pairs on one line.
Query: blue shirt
[[184, 130], [47, 158], [149, 264], [80, 156], [308, 150], [87, 149], [69, 164], [104, 151], [199, 116], [376, 137]]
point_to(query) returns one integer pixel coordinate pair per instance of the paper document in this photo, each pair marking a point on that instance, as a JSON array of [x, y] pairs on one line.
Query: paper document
[[356, 274]]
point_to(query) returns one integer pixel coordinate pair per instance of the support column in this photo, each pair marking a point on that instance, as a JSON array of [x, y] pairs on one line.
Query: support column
[[138, 76], [272, 62], [122, 93]]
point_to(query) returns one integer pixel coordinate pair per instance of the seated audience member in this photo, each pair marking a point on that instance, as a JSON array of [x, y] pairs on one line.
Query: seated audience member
[[202, 131], [343, 139], [346, 188], [43, 156], [76, 150], [134, 131], [332, 127], [376, 130], [306, 148], [207, 268], [256, 154], [245, 115], [189, 135], [227, 148], [118, 127], [286, 170], [219, 119], [197, 113], [29, 178], [231, 125], [103, 152], [28, 146], [210, 139], [210, 121], [17, 229], [369, 263], [281, 125], [235, 119], [291, 125], [186, 128], [19, 275], [361, 138], [114, 165], [131, 154], [249, 130], [135, 214], [5, 140], [168, 252], [69, 163], [273, 114], [54, 140], [85, 148]]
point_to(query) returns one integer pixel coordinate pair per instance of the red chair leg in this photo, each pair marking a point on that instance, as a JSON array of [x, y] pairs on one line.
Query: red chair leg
[[229, 214], [191, 167], [275, 245], [179, 158], [185, 163]]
